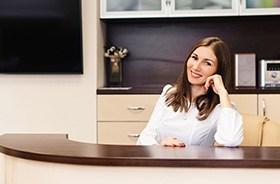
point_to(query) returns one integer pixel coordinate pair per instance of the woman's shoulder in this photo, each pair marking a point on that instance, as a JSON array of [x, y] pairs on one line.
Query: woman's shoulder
[[167, 88]]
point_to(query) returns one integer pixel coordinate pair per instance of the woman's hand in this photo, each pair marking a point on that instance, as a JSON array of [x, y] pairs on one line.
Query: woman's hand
[[217, 84], [172, 142]]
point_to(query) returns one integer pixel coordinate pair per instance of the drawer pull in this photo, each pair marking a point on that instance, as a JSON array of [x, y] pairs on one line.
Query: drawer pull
[[136, 108], [264, 107], [133, 135]]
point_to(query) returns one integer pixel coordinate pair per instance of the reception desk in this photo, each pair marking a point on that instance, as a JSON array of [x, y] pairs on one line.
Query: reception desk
[[53, 158]]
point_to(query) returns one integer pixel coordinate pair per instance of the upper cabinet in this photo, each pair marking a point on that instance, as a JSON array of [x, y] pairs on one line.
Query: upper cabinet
[[260, 7], [133, 8], [111, 9], [166, 8], [202, 8]]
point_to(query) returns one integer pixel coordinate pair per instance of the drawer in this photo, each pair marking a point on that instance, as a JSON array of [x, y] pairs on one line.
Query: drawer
[[125, 107], [119, 133], [241, 101]]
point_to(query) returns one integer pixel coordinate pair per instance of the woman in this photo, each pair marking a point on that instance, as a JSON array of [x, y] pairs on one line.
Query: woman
[[197, 109]]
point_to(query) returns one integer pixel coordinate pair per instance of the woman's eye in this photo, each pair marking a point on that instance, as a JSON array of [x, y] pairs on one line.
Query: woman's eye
[[194, 57], [208, 64]]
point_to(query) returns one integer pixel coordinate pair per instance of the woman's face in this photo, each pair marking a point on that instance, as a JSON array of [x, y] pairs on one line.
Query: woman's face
[[201, 64]]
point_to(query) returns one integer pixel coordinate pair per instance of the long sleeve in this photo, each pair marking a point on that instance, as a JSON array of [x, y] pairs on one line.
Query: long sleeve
[[229, 128], [150, 134]]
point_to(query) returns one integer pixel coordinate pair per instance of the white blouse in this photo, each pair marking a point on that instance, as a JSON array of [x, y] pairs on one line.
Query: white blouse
[[223, 125]]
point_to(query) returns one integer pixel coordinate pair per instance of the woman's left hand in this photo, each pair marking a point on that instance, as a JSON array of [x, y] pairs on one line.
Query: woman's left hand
[[216, 82], [172, 142]]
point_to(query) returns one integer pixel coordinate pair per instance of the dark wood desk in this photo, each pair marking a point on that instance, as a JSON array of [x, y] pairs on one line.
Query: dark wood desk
[[57, 148]]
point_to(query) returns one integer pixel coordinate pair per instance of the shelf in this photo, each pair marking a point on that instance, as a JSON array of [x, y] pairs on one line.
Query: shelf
[[254, 91], [158, 90]]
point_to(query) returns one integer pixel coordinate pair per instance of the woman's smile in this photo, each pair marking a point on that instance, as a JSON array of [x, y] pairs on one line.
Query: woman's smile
[[195, 74]]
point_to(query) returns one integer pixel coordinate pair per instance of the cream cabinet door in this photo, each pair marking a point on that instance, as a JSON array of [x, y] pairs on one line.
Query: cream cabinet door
[[246, 103], [269, 105], [125, 107], [125, 133]]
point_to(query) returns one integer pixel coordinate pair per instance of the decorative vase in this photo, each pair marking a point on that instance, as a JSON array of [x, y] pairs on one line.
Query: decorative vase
[[115, 72]]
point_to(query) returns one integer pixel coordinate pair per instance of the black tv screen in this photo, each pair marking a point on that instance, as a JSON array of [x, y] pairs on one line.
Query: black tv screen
[[41, 37]]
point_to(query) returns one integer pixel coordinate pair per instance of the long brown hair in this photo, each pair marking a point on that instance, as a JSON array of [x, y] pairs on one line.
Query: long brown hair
[[180, 97]]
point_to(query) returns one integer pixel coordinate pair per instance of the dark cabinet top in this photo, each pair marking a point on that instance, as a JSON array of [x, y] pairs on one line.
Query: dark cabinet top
[[158, 90], [59, 149]]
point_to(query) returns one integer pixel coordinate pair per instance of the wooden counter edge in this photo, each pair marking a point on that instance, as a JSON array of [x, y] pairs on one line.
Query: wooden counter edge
[[57, 148]]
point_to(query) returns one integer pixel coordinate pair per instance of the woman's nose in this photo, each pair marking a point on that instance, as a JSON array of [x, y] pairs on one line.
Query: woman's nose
[[196, 66]]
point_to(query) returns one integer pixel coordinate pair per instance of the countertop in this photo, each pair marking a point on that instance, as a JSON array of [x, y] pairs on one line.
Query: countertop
[[59, 149]]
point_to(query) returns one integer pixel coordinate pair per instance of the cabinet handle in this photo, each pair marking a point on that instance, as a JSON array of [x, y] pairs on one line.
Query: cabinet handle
[[264, 107], [136, 108], [133, 135], [168, 2]]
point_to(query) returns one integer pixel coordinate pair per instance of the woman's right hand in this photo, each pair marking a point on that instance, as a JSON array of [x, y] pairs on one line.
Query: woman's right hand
[[172, 142]]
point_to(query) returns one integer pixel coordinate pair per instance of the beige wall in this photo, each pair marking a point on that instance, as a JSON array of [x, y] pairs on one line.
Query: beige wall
[[55, 103]]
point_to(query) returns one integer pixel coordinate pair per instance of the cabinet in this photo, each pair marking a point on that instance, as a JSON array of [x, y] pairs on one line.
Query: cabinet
[[132, 8], [260, 7], [268, 105], [258, 104], [202, 8], [246, 103], [166, 8], [110, 9], [121, 118]]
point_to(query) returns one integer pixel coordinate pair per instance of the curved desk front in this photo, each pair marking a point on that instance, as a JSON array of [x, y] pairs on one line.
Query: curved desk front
[[53, 158]]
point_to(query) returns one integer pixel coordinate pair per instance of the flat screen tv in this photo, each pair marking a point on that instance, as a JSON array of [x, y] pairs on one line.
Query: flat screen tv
[[41, 37]]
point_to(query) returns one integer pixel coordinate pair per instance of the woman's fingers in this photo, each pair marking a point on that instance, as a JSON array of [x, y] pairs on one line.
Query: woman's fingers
[[208, 83], [216, 82], [172, 142]]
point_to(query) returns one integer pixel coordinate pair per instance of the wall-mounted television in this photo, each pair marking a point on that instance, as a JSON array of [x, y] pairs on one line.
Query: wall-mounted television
[[41, 37]]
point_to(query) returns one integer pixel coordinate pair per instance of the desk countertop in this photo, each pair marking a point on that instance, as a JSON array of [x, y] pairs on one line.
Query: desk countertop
[[59, 149]]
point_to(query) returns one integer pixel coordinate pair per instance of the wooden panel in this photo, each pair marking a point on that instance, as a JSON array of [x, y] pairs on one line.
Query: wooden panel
[[158, 47], [246, 103], [119, 133], [124, 107]]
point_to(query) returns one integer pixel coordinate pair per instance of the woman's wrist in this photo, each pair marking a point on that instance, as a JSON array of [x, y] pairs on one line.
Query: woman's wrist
[[224, 99]]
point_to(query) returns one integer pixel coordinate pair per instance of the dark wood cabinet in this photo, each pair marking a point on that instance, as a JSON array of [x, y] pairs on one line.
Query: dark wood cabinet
[[158, 47]]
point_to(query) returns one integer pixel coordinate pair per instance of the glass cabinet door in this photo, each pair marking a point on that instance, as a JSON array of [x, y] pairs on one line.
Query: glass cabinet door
[[132, 8], [260, 7], [203, 8]]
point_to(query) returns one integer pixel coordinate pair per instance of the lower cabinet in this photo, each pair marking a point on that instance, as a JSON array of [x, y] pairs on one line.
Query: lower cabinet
[[121, 118], [246, 103], [268, 105], [125, 133], [259, 104]]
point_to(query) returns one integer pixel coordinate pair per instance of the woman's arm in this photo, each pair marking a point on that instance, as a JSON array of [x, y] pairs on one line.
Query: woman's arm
[[229, 127], [150, 134]]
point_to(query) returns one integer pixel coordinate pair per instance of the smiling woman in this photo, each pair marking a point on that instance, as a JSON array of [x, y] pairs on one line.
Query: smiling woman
[[201, 64], [196, 110]]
